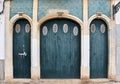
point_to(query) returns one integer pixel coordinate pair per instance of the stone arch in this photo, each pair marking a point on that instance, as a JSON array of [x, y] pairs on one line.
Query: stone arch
[[110, 25], [57, 15], [9, 58], [17, 17], [63, 15], [102, 17]]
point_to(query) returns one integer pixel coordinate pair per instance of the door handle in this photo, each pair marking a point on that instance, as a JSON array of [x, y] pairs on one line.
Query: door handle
[[23, 54]]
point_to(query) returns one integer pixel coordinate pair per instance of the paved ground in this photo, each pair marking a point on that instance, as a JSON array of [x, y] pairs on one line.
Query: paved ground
[[60, 82]]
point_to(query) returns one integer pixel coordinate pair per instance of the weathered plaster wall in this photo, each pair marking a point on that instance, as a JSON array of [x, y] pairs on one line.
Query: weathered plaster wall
[[117, 18], [99, 6], [2, 70], [2, 36], [2, 45], [25, 6], [118, 51], [74, 7]]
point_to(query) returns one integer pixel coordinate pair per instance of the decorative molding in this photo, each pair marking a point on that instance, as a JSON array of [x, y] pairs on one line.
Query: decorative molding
[[51, 11], [60, 13], [64, 15], [102, 16], [20, 13], [18, 16], [99, 13]]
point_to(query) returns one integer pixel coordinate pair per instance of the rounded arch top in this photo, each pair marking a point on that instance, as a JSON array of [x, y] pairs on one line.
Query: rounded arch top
[[102, 17], [19, 16], [60, 15]]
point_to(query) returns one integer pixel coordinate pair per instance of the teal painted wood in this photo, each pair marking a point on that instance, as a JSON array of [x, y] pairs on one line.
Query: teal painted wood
[[98, 51], [21, 50], [60, 52]]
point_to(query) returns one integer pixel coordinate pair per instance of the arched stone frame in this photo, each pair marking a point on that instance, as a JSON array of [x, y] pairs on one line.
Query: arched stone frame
[[111, 43], [9, 44], [55, 16]]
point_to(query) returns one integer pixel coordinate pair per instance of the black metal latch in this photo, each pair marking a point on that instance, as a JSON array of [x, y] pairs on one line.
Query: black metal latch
[[2, 6], [116, 8]]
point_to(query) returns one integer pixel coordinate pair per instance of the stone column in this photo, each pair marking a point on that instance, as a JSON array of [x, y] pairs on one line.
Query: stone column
[[8, 51], [112, 46], [35, 65], [112, 51], [85, 43]]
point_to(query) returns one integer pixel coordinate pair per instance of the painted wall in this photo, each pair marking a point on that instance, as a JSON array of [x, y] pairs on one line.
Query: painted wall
[[2, 45], [117, 19], [2, 30], [99, 6], [21, 6], [74, 7]]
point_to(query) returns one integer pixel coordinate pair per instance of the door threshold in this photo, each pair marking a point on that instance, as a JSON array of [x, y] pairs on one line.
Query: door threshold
[[18, 80]]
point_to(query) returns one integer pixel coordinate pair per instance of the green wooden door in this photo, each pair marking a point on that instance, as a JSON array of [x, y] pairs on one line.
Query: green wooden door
[[60, 49], [21, 49], [98, 49]]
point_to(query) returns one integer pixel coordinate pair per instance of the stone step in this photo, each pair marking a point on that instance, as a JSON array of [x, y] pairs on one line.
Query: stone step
[[60, 82]]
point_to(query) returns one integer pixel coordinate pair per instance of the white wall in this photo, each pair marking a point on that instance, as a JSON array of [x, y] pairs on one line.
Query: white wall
[[117, 15], [2, 44], [117, 19], [2, 37]]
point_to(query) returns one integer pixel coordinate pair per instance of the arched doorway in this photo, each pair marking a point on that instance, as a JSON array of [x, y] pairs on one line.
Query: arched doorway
[[21, 49], [60, 49], [98, 49]]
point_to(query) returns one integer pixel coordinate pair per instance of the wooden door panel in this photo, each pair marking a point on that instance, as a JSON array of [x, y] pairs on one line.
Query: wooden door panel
[[60, 50], [21, 49], [98, 49]]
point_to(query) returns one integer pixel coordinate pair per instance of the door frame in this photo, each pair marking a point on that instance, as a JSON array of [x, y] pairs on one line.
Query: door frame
[[9, 45], [111, 43], [58, 15]]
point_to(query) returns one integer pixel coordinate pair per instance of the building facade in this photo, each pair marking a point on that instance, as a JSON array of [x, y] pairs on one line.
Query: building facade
[[60, 41]]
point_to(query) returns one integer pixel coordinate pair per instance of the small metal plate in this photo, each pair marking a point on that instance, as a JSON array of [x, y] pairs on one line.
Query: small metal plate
[[75, 31], [55, 28], [65, 28], [45, 30], [27, 28], [17, 28], [93, 28], [102, 28]]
